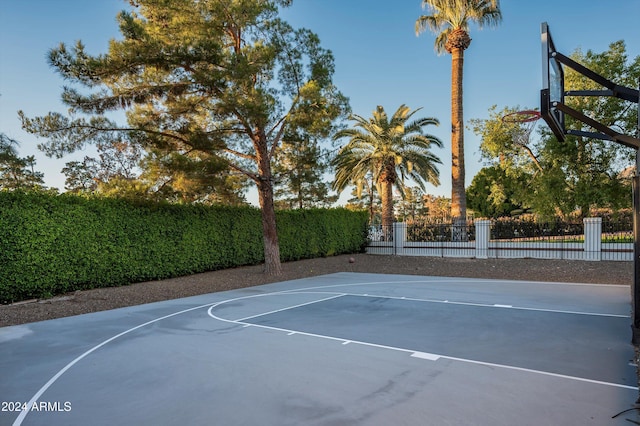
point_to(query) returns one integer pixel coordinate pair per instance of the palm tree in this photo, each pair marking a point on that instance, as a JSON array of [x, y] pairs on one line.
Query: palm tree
[[450, 20], [391, 150]]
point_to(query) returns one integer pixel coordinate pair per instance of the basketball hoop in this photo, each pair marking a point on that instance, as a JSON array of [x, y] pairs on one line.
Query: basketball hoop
[[522, 124], [525, 116]]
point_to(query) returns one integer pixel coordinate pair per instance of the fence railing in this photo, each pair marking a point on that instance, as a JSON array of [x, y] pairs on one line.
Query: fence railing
[[590, 239]]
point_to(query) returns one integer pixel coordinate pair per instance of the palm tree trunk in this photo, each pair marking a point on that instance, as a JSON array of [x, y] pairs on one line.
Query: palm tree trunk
[[458, 197], [387, 209]]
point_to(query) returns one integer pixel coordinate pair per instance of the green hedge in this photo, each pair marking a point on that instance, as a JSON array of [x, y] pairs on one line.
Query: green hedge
[[51, 245], [305, 234]]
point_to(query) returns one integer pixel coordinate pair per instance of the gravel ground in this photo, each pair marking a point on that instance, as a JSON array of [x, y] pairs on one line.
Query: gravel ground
[[82, 302]]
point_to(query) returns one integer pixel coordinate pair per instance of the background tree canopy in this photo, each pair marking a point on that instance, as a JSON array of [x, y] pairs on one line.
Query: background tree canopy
[[209, 87], [553, 177], [390, 150], [15, 171]]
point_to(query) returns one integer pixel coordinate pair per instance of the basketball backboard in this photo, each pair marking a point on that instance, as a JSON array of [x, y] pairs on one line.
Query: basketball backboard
[[553, 109], [552, 85], [552, 97]]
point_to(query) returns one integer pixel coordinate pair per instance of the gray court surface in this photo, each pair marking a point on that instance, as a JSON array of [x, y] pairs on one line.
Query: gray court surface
[[339, 349]]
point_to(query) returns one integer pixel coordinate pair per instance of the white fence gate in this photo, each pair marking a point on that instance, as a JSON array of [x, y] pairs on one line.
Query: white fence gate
[[479, 243]]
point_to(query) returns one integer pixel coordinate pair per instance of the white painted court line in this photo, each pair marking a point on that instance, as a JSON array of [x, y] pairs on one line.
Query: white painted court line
[[544, 373], [450, 302], [346, 275], [291, 307], [454, 280], [425, 355], [18, 421], [458, 280], [494, 305]]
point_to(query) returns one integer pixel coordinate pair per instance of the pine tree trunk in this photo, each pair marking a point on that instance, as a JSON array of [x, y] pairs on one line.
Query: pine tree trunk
[[272, 264], [458, 197]]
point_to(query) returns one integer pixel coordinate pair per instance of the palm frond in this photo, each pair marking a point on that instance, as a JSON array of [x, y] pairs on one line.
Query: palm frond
[[391, 149]]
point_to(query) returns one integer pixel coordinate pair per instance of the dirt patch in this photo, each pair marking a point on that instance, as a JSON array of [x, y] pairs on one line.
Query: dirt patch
[[82, 302]]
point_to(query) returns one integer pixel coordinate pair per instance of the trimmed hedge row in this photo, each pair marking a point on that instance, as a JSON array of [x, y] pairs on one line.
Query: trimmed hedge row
[[306, 234], [51, 245]]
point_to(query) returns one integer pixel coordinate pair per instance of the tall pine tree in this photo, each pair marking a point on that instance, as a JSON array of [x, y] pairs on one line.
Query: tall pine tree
[[205, 80]]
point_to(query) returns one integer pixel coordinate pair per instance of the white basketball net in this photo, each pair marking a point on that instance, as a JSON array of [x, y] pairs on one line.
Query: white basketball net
[[521, 125]]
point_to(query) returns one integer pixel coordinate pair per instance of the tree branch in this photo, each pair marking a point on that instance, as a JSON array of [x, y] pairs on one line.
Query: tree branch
[[531, 154], [254, 177], [240, 154], [126, 129]]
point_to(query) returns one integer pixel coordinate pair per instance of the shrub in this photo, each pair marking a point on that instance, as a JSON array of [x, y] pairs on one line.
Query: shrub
[[305, 234], [53, 244]]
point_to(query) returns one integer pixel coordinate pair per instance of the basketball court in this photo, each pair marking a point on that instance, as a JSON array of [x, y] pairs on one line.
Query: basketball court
[[347, 348], [339, 349]]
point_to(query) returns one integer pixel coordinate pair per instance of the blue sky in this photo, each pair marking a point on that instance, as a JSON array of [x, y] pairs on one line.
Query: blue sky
[[378, 58]]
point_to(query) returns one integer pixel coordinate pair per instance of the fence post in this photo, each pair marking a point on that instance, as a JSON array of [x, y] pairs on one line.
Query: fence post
[[592, 238], [399, 237], [483, 228]]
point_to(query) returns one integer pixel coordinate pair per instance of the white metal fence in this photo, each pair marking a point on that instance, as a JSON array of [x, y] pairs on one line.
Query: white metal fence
[[485, 239]]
